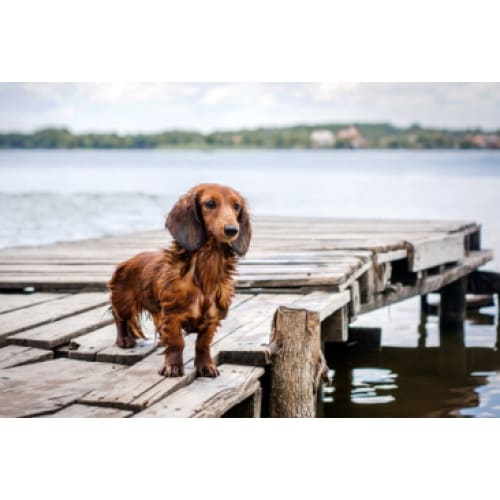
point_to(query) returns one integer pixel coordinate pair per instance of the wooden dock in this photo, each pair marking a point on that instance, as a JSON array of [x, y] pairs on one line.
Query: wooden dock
[[301, 284]]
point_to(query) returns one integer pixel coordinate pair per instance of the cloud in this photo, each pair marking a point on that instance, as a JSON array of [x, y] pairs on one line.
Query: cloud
[[135, 92], [46, 91], [65, 111], [208, 106], [239, 94]]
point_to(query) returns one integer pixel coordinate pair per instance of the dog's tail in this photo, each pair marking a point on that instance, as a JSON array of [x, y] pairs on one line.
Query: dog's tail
[[134, 326]]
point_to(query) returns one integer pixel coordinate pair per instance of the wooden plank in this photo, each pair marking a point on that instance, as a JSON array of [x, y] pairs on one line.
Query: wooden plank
[[87, 411], [382, 257], [99, 345], [86, 346], [206, 397], [435, 251], [62, 331], [114, 354], [12, 302], [322, 303], [14, 355], [21, 269], [46, 387], [47, 312]]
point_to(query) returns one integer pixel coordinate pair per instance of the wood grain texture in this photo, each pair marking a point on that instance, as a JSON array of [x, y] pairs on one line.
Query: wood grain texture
[[296, 344], [15, 355], [60, 332], [87, 411], [14, 301], [17, 321], [209, 398], [46, 387]]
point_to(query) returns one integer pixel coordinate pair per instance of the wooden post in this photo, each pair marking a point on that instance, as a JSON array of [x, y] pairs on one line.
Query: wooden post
[[298, 363], [453, 305], [335, 327], [424, 305]]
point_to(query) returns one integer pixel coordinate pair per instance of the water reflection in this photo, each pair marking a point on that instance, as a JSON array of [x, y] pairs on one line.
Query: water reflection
[[426, 372]]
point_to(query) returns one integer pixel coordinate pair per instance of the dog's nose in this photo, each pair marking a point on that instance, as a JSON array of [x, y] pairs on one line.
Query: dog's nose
[[230, 230]]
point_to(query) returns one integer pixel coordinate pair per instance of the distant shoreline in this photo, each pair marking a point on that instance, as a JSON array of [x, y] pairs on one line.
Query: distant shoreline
[[302, 137], [249, 149]]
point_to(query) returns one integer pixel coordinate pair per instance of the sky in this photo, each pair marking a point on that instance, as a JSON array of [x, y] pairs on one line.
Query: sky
[[151, 107]]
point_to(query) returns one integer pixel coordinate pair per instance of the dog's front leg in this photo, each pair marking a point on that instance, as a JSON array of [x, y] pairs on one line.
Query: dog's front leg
[[171, 338], [203, 360]]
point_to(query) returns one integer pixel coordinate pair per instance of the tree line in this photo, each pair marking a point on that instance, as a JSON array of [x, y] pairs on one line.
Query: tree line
[[374, 135]]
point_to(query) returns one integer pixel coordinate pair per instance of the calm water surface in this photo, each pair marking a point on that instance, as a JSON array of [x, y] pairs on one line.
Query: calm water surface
[[48, 196]]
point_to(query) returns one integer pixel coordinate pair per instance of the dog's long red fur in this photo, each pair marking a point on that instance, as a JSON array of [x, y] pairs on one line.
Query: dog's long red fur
[[190, 285]]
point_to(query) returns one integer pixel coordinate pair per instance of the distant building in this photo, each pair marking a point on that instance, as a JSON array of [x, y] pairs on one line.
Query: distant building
[[484, 140], [322, 139], [353, 137]]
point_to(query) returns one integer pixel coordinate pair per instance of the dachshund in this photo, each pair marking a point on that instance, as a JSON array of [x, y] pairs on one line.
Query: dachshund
[[188, 286]]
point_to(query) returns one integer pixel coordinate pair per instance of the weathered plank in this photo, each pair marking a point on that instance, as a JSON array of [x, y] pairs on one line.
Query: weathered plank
[[114, 354], [40, 388], [86, 411], [431, 252], [14, 355], [207, 397], [17, 321], [99, 345], [13, 301], [62, 331], [86, 346], [322, 303]]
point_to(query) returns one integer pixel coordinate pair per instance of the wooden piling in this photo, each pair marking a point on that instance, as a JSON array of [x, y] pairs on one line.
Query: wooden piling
[[453, 304], [298, 363]]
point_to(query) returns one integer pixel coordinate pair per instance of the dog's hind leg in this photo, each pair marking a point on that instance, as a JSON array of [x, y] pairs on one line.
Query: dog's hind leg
[[124, 337], [125, 320]]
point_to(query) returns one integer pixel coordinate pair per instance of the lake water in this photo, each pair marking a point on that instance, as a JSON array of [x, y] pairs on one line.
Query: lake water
[[48, 196]]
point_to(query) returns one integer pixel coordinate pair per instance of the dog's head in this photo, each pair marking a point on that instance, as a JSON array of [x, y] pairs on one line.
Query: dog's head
[[210, 210]]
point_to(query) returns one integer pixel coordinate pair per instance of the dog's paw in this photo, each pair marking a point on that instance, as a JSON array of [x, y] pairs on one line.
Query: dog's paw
[[125, 341], [207, 371], [172, 371]]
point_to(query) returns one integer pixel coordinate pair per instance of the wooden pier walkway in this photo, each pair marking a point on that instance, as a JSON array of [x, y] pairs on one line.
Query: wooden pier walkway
[[302, 282]]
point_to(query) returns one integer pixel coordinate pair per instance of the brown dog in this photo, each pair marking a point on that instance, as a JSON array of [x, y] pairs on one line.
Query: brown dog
[[189, 286]]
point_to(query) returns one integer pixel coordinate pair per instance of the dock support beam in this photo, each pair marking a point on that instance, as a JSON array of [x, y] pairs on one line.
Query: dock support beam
[[453, 305], [298, 363], [335, 328]]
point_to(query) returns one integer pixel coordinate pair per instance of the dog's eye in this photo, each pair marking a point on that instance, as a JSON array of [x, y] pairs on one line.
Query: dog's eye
[[210, 204], [236, 206]]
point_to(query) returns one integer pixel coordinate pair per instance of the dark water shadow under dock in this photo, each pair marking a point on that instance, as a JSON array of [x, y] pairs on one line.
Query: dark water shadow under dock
[[418, 370]]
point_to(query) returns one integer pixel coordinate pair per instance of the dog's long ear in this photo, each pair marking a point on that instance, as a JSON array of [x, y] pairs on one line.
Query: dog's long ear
[[240, 245], [185, 224]]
